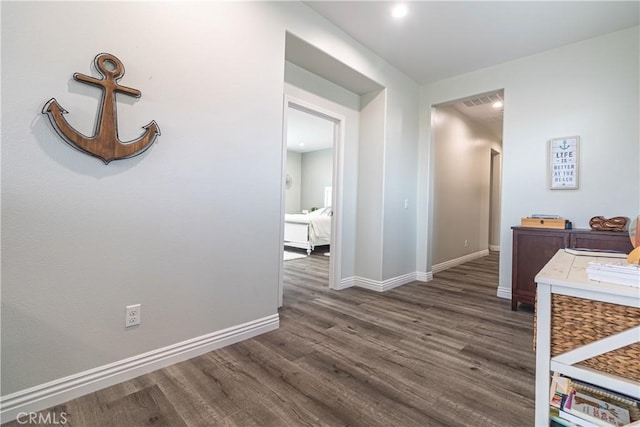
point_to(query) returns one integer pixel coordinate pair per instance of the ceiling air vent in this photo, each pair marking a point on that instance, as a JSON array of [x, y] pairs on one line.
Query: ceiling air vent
[[482, 100]]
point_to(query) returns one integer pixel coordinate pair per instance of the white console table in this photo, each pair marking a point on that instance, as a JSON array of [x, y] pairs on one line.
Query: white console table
[[565, 274]]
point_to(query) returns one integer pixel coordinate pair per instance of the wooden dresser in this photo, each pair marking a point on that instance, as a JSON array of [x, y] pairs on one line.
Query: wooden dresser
[[534, 247]]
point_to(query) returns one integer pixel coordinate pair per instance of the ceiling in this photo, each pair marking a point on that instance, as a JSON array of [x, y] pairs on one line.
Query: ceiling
[[441, 39], [306, 132]]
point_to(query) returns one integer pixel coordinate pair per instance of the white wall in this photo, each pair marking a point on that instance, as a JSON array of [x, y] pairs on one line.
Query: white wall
[[319, 87], [171, 229], [292, 194], [400, 182], [370, 182], [462, 178], [588, 89], [387, 185], [168, 229], [317, 172]]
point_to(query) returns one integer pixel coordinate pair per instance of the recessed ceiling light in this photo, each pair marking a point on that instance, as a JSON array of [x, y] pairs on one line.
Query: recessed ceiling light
[[497, 104], [399, 11], [301, 144]]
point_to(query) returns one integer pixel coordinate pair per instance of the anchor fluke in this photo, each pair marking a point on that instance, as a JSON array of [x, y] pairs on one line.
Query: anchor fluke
[[54, 112], [124, 150], [104, 144], [153, 126], [53, 105]]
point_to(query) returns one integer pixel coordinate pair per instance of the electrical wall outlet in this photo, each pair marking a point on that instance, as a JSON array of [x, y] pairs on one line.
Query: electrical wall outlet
[[466, 243], [132, 315]]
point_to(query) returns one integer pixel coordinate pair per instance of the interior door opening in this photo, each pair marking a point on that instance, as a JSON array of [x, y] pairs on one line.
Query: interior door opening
[[467, 135], [312, 184]]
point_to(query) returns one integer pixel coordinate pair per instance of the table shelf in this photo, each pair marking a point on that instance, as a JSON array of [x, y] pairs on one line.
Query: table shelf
[[565, 274]]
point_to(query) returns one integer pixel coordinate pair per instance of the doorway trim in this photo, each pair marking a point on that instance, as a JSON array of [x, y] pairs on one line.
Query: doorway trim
[[335, 260]]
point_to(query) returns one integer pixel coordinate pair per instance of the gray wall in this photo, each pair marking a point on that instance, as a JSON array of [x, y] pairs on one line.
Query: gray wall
[[311, 172], [370, 180], [292, 194], [317, 170], [400, 183], [171, 229]]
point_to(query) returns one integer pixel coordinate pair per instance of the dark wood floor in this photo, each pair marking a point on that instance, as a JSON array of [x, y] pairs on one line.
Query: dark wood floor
[[443, 353]]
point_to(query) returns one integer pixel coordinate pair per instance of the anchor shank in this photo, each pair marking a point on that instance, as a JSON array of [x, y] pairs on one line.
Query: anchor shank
[[107, 133]]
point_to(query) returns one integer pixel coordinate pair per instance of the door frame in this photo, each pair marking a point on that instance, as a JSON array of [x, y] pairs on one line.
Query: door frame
[[335, 260]]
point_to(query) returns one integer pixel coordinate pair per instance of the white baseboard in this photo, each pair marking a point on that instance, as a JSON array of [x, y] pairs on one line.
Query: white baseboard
[[381, 285], [494, 248], [64, 389], [504, 293], [346, 283], [457, 261], [424, 276]]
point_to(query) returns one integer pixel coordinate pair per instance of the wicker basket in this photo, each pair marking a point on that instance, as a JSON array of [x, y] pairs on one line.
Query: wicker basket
[[576, 322]]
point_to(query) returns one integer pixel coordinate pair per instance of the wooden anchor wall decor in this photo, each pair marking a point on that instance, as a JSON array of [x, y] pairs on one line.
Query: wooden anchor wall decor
[[105, 143]]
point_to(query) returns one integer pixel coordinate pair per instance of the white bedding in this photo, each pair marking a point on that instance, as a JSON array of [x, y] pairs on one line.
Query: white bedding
[[308, 230], [300, 218]]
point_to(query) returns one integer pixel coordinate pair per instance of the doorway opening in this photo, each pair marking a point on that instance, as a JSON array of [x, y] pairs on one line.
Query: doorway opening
[[312, 177], [467, 179]]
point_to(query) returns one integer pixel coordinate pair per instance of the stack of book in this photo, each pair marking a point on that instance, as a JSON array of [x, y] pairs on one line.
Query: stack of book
[[617, 271], [576, 403]]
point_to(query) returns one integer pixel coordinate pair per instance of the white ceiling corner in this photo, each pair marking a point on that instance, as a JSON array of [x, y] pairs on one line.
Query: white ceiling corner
[[441, 39]]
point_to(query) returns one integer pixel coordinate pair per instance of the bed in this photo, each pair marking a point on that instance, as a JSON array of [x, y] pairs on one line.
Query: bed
[[306, 231]]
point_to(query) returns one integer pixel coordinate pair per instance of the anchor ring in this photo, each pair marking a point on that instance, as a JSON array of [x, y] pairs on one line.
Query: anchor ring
[[101, 65]]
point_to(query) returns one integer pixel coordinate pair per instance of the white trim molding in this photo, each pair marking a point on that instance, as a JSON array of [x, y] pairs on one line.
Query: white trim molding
[[348, 282], [338, 143], [64, 389], [504, 293], [384, 285], [422, 276], [494, 248], [457, 261]]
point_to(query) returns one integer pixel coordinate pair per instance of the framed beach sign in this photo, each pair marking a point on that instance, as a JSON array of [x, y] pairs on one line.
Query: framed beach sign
[[564, 163]]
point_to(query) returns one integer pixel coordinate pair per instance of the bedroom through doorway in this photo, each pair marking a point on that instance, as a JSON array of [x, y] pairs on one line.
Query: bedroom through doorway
[[310, 195]]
